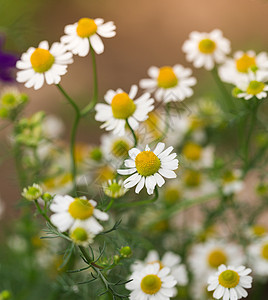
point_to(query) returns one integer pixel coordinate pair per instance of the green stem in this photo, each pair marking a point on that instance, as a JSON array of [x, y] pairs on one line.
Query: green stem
[[88, 258], [94, 100], [109, 205], [139, 203], [42, 212], [73, 135], [133, 133], [228, 100]]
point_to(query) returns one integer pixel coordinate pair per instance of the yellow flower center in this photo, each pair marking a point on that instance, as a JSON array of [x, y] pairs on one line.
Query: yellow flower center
[[244, 63], [167, 78], [196, 122], [122, 106], [105, 173], [229, 279], [81, 209], [216, 258], [79, 234], [172, 195], [147, 163], [192, 178], [255, 87], [228, 176], [259, 230], [192, 151], [120, 148], [207, 46], [157, 261], [151, 284], [42, 60], [86, 27], [264, 251]]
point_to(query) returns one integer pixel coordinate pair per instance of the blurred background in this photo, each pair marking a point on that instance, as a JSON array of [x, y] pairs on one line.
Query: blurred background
[[149, 33]]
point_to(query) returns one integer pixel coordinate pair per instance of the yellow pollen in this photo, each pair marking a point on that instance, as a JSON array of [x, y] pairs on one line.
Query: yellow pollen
[[229, 279], [147, 163], [255, 87], [216, 258], [192, 178], [157, 261], [41, 60], [120, 148], [122, 106], [259, 230], [151, 284], [167, 78], [81, 209], [79, 234], [207, 46], [192, 151], [264, 251], [245, 62], [86, 27]]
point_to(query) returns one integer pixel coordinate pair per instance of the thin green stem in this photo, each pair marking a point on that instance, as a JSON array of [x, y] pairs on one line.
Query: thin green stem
[[88, 258], [94, 100], [139, 203], [73, 135], [42, 212], [228, 100], [109, 205], [133, 134]]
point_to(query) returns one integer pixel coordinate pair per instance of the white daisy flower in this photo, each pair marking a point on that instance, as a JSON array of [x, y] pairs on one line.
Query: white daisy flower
[[252, 85], [232, 182], [205, 258], [43, 64], [85, 33], [206, 49], [121, 108], [170, 260], [169, 83], [258, 255], [197, 155], [237, 68], [152, 283], [115, 148], [32, 192], [68, 211], [230, 283], [81, 233], [114, 188], [149, 167]]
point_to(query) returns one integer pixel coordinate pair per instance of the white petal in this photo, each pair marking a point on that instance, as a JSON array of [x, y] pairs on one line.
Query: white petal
[[96, 44]]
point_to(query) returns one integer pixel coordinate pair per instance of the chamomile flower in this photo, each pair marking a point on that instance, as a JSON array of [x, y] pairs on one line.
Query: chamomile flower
[[122, 108], [85, 33], [237, 68], [230, 283], [197, 155], [43, 64], [68, 211], [114, 188], [231, 182], [81, 234], [32, 192], [149, 167], [252, 86], [152, 283], [115, 148], [205, 258], [169, 83], [170, 260], [258, 255], [206, 49]]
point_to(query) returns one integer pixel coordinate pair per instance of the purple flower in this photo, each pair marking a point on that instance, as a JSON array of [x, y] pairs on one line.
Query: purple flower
[[7, 63]]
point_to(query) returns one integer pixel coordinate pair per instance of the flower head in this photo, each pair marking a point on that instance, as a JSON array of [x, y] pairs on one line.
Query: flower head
[[230, 283], [81, 234], [43, 64], [121, 108], [85, 33], [114, 188], [149, 167], [32, 192], [206, 49], [169, 83], [258, 254], [152, 283], [232, 182], [69, 211]]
